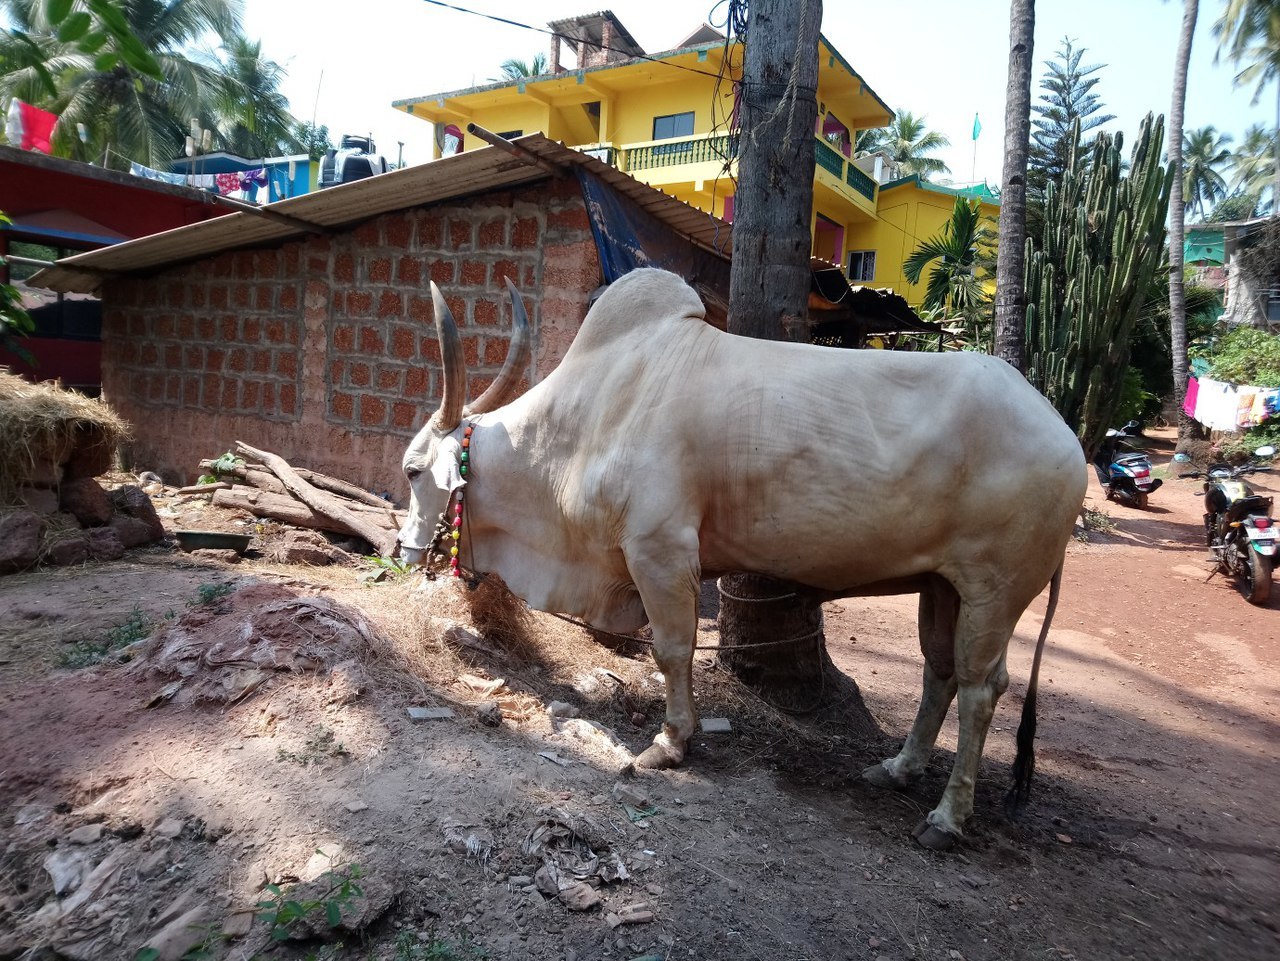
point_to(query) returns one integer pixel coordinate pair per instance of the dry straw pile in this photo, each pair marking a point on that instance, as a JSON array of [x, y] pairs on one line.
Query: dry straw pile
[[41, 425]]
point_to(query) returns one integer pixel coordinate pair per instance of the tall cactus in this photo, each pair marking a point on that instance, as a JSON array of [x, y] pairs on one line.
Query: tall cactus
[[1103, 242]]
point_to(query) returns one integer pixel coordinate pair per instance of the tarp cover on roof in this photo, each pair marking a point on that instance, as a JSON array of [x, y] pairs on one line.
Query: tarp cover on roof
[[1204, 249], [628, 237]]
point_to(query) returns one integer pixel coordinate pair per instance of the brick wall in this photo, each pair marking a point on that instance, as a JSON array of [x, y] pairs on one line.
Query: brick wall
[[325, 350]]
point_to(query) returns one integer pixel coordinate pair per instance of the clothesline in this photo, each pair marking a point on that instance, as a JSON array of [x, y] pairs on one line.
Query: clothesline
[[1229, 407], [224, 184]]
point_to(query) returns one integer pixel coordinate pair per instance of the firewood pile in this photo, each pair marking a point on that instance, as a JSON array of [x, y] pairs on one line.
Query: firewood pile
[[267, 486]]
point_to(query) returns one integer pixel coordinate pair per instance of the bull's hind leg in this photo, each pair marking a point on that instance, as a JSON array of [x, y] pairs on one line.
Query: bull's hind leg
[[669, 591], [939, 608], [980, 678]]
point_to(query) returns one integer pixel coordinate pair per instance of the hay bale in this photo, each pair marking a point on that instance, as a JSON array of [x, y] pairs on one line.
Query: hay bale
[[44, 428]]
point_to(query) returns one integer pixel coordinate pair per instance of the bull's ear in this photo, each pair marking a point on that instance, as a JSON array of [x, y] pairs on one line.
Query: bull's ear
[[446, 469]]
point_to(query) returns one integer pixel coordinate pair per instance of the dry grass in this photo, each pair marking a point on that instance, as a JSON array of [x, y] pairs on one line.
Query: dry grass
[[42, 423]]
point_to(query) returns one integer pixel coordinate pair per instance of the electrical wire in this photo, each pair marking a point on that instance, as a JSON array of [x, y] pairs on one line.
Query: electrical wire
[[572, 39]]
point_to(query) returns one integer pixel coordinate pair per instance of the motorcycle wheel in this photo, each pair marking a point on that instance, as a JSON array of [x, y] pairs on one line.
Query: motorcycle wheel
[[1257, 578]]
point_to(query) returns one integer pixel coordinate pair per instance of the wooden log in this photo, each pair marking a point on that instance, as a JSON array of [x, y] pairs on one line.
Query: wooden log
[[268, 481], [205, 488], [283, 507], [322, 502]]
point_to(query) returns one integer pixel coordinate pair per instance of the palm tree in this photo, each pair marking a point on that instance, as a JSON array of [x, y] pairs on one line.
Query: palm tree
[[910, 146], [1011, 305], [124, 113], [953, 282], [1204, 154], [516, 69], [253, 117], [1253, 164], [1177, 218], [1249, 33]]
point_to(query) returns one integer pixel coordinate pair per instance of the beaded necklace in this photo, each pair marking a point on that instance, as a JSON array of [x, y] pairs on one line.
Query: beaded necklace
[[456, 533]]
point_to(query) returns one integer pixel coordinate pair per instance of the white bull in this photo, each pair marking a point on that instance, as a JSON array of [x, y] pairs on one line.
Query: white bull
[[662, 451]]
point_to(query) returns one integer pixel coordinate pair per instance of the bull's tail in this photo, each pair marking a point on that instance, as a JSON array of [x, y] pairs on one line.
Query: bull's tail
[[1024, 764]]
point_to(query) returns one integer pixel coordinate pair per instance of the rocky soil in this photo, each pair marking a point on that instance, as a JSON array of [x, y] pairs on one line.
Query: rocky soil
[[297, 763]]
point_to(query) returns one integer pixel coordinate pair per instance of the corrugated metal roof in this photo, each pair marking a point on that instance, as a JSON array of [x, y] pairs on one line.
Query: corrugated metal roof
[[337, 208]]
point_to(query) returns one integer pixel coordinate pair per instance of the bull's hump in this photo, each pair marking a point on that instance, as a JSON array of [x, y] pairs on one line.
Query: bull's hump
[[643, 301]]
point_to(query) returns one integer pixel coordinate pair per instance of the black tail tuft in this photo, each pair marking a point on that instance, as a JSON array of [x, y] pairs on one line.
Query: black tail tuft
[[1024, 764]]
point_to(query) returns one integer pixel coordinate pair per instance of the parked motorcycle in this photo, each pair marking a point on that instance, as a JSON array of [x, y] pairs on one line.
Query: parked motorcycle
[[1238, 526], [1123, 471]]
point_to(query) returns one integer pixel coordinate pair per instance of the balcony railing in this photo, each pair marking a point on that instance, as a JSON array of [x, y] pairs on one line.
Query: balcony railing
[[717, 149], [690, 151], [860, 182]]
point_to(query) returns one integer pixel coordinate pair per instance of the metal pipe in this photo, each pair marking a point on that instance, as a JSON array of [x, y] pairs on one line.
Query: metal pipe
[[520, 153], [295, 222], [32, 261]]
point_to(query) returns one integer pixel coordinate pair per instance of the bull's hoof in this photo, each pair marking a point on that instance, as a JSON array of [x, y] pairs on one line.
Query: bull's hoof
[[934, 838], [878, 775], [658, 757]]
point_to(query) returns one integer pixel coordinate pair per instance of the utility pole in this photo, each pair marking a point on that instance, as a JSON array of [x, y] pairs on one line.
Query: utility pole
[[768, 298]]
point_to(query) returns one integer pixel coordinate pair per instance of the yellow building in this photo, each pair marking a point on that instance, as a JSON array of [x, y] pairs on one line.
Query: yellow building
[[665, 118]]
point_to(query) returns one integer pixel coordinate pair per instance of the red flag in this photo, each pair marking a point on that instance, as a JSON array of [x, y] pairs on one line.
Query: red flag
[[37, 127]]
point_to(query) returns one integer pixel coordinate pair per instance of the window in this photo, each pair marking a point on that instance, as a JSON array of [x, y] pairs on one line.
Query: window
[[673, 125], [862, 265]]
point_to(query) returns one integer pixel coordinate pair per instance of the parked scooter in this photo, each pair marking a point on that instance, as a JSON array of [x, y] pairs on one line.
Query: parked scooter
[[1123, 471], [1238, 526]]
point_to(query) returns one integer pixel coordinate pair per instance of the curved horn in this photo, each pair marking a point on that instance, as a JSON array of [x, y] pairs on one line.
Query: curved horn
[[454, 366], [502, 389]]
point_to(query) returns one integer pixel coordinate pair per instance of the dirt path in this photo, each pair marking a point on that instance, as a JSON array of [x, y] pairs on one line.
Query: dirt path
[[1152, 831]]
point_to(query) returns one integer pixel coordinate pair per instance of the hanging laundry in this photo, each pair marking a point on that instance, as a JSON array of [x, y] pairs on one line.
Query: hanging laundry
[[1244, 406], [1216, 405], [202, 181], [30, 127], [227, 183], [138, 170], [1189, 402], [253, 179]]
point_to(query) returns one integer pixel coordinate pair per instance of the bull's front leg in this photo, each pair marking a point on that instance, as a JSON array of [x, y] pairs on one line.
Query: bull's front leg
[[666, 572]]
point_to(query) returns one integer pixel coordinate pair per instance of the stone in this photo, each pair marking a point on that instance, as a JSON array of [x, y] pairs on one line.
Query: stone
[[67, 869], [131, 531], [306, 547], [562, 709], [716, 725], [71, 547], [168, 828], [155, 862], [85, 834], [133, 502], [104, 545], [45, 470], [41, 500], [356, 806], [579, 896], [19, 540], [431, 713], [224, 556], [86, 499]]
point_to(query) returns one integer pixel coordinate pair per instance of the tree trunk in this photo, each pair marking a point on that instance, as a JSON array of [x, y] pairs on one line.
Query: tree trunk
[[1177, 222], [1011, 302], [768, 298]]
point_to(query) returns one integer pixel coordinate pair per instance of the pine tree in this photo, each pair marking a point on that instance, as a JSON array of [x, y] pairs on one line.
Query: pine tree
[[1068, 98]]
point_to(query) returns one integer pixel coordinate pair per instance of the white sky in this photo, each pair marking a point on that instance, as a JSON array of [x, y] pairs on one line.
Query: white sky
[[939, 58]]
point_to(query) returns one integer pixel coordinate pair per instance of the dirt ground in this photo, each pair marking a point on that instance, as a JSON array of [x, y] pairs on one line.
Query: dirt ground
[[1152, 831]]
